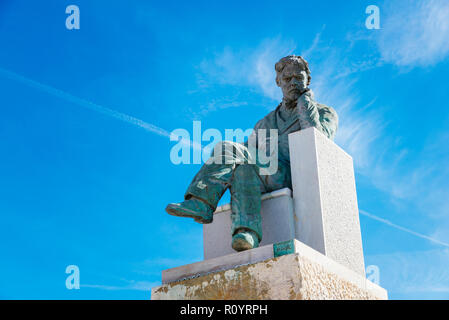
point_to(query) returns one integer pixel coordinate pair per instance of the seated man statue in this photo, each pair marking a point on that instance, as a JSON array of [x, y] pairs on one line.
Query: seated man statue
[[232, 167]]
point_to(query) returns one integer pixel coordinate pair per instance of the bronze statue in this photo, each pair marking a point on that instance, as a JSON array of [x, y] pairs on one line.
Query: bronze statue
[[233, 165]]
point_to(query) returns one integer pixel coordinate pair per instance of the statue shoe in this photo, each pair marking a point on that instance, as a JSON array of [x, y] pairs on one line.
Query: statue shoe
[[192, 208], [245, 240]]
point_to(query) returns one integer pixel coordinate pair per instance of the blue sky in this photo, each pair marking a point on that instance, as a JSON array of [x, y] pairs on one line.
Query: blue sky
[[83, 183]]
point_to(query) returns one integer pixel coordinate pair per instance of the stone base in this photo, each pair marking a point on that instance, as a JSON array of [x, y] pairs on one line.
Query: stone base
[[293, 272]]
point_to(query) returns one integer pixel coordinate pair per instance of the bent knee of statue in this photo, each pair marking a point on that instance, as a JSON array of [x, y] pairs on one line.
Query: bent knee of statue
[[229, 152]]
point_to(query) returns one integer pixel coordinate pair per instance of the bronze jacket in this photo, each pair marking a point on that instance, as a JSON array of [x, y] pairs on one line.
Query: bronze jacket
[[307, 113]]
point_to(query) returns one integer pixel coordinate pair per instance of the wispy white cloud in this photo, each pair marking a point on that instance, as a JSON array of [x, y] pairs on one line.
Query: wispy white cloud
[[418, 272], [315, 44], [414, 32], [249, 67], [214, 105], [360, 127], [442, 229], [420, 177]]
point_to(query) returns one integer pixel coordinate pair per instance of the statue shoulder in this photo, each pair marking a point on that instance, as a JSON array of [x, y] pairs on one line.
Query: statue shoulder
[[267, 122]]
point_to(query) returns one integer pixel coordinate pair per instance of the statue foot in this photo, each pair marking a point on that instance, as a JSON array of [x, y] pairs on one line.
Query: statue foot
[[192, 208], [245, 240]]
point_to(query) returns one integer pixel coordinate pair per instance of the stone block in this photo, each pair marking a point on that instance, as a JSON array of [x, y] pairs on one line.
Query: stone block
[[325, 199]]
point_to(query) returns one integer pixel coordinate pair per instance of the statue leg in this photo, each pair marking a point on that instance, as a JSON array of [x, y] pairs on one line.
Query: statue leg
[[231, 166], [215, 176], [246, 200], [210, 183]]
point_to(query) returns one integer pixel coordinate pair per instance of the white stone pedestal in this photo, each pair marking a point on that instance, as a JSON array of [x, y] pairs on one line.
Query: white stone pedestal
[[289, 271]]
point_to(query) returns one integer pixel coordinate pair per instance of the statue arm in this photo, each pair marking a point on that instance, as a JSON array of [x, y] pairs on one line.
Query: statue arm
[[313, 114], [329, 121]]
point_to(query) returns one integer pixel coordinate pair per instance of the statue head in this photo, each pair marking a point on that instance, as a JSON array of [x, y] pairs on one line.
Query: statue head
[[292, 76]]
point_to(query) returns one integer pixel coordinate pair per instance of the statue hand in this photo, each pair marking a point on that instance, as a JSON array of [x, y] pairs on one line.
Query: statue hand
[[307, 109], [307, 94]]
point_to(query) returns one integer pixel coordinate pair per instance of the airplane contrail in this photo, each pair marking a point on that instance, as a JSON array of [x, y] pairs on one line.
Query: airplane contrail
[[391, 224], [93, 106]]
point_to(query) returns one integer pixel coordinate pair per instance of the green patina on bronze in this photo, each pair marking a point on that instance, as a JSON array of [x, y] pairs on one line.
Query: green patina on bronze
[[283, 248], [237, 167]]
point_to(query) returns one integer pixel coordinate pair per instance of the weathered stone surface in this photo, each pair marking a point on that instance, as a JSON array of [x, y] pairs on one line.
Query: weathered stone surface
[[325, 199], [217, 264], [277, 224], [289, 277], [304, 274]]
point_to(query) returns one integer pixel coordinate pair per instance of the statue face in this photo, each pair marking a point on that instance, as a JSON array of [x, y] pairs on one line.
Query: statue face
[[293, 81]]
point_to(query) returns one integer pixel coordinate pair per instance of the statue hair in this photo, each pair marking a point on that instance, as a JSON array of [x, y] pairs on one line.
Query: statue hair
[[292, 59]]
